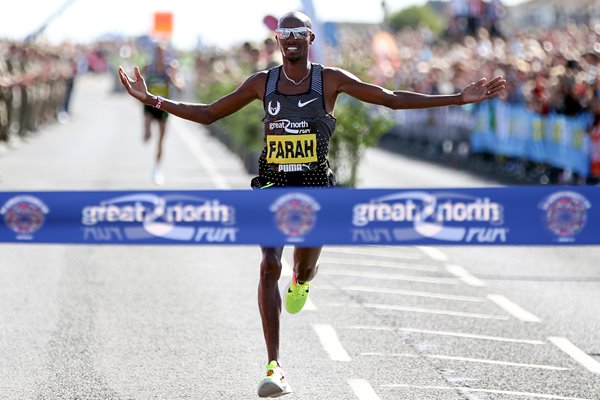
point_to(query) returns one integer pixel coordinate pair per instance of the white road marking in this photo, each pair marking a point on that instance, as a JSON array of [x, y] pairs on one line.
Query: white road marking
[[205, 160], [419, 310], [433, 311], [363, 389], [512, 308], [371, 263], [286, 271], [576, 353], [464, 275], [375, 354], [372, 328], [472, 360], [412, 293], [452, 334], [407, 278], [497, 362], [492, 391], [331, 343], [433, 253], [368, 251]]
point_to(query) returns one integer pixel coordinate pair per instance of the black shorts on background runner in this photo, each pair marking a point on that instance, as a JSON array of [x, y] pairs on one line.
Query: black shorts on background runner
[[157, 114]]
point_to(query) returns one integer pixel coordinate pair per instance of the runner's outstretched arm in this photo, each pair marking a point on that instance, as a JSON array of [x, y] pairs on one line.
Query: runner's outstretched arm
[[477, 91], [251, 89]]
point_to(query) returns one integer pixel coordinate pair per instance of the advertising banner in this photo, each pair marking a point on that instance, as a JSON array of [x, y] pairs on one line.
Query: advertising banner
[[515, 131], [306, 217]]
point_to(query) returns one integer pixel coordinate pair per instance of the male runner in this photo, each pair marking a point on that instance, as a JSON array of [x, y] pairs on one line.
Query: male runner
[[160, 76], [298, 98]]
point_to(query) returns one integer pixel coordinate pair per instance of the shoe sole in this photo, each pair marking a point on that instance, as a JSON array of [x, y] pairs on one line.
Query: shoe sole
[[272, 389]]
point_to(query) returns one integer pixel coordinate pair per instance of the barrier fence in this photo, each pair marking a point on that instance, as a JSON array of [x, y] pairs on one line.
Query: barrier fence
[[515, 131], [306, 217]]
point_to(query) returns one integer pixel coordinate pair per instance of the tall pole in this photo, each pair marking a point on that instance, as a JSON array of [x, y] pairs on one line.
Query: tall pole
[[317, 46], [33, 35], [386, 14]]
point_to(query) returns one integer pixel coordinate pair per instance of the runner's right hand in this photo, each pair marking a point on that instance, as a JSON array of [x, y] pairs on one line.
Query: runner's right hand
[[137, 88]]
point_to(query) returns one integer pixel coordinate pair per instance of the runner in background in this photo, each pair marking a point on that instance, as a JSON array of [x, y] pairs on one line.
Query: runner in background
[[160, 77]]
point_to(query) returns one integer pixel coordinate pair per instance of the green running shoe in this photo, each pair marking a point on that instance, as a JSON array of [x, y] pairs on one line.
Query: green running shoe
[[296, 295], [275, 384]]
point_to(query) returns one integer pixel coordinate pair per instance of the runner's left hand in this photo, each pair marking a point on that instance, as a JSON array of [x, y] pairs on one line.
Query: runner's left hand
[[482, 90]]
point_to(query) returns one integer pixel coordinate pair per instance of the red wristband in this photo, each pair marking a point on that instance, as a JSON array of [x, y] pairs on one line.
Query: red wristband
[[159, 102]]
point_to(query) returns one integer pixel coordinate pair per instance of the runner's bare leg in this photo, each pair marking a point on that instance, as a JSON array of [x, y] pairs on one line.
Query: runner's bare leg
[[147, 127], [305, 262], [269, 299], [162, 127]]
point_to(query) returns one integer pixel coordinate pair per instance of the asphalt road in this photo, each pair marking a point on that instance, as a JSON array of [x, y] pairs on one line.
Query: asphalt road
[[181, 322]]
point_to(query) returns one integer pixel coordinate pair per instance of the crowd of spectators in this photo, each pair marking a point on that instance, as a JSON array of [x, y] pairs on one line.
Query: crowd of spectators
[[465, 17], [550, 71], [236, 65], [555, 70], [37, 82], [35, 87]]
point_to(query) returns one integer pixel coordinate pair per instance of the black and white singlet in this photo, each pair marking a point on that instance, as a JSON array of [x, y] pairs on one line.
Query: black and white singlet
[[297, 133]]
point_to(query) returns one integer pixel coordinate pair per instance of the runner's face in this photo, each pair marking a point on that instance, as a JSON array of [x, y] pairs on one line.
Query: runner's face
[[291, 48]]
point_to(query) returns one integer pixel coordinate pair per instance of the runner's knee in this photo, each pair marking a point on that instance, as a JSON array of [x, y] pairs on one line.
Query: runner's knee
[[270, 267], [306, 269]]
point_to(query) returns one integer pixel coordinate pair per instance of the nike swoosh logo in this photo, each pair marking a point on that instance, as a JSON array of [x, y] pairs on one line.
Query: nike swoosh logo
[[301, 104]]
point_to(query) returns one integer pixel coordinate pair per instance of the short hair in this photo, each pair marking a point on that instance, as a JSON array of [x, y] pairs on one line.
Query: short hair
[[296, 15]]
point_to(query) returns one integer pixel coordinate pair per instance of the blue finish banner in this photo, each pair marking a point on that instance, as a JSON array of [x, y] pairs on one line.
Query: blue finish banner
[[306, 217]]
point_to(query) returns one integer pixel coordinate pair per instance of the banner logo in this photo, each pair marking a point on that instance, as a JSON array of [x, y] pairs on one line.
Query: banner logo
[[174, 217], [565, 214], [24, 215], [295, 215], [449, 217]]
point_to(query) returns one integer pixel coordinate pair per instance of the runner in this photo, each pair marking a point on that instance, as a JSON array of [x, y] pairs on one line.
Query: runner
[[299, 99], [160, 76]]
